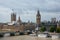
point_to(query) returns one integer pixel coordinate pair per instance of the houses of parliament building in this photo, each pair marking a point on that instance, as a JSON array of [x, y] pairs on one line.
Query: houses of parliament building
[[18, 25]]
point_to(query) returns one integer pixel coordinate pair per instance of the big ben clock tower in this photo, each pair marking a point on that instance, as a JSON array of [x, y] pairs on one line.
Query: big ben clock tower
[[38, 19]]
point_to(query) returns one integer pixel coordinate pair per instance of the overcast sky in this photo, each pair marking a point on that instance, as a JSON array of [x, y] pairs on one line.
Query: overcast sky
[[27, 9]]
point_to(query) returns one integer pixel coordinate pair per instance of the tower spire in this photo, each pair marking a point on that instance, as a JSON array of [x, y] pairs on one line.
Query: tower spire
[[38, 13], [19, 20]]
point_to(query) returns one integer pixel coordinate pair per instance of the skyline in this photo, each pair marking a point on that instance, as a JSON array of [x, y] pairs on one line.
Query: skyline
[[27, 9]]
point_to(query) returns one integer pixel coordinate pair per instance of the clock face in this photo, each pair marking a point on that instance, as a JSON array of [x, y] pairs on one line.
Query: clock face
[[38, 17]]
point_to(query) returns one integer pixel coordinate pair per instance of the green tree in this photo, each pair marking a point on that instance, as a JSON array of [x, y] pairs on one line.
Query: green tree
[[42, 29], [58, 30], [52, 29]]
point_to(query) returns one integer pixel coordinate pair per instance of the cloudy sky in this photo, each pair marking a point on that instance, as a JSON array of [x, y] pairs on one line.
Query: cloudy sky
[[27, 9]]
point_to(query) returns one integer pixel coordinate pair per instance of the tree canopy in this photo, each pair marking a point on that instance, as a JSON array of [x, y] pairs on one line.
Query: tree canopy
[[42, 29], [52, 29], [58, 30]]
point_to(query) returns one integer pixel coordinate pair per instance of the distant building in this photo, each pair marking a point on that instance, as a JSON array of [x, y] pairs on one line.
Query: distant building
[[17, 25], [19, 20], [59, 21], [13, 17], [53, 20], [38, 18], [58, 24]]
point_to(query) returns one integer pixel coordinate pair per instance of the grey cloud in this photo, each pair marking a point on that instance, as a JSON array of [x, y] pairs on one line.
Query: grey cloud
[[43, 5]]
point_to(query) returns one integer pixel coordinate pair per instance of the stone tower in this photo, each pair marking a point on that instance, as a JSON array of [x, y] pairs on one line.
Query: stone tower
[[19, 20], [38, 18], [13, 17]]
